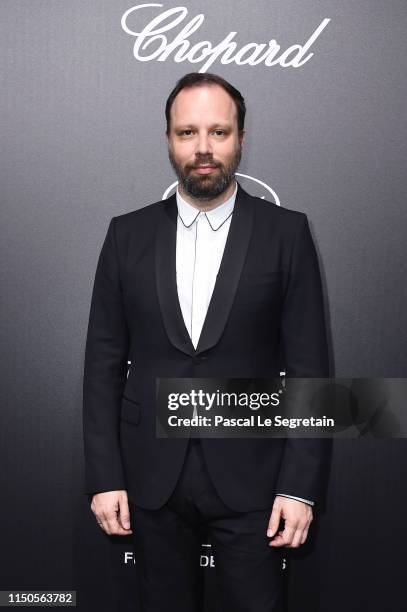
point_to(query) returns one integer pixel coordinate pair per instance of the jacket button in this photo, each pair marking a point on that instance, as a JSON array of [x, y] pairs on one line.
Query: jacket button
[[197, 359]]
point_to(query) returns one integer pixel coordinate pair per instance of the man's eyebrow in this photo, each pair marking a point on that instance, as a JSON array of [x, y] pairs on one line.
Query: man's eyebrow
[[190, 125]]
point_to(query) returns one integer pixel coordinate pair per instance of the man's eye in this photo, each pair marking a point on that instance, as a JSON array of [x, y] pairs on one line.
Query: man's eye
[[189, 132]]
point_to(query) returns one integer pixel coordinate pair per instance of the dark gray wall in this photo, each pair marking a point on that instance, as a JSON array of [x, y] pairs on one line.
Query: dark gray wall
[[82, 139]]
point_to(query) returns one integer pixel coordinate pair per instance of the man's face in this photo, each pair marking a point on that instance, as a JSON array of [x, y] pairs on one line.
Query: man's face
[[204, 146]]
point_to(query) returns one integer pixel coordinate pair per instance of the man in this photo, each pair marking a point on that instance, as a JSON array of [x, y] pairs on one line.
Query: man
[[210, 283]]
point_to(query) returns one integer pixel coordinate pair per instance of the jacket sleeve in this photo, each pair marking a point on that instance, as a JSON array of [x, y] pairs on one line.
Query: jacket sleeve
[[305, 355], [105, 374]]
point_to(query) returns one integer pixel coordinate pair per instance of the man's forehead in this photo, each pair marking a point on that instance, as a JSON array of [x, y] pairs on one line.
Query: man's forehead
[[209, 99]]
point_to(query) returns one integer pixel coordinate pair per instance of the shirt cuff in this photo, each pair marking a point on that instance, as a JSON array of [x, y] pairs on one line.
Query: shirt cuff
[[307, 501]]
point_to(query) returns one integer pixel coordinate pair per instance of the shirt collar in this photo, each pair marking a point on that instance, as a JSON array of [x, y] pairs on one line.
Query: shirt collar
[[216, 216]]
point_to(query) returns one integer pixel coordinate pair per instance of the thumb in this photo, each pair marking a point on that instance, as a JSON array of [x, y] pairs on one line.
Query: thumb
[[274, 520], [124, 514]]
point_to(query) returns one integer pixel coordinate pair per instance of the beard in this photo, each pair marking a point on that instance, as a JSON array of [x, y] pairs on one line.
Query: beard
[[206, 187]]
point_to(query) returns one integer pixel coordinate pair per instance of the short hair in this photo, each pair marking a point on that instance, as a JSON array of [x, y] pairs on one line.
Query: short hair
[[198, 79]]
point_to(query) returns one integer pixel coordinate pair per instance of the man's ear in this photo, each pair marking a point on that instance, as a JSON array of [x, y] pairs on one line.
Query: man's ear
[[242, 135]]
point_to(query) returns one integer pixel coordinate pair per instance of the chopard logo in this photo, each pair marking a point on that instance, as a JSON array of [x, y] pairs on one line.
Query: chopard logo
[[151, 42]]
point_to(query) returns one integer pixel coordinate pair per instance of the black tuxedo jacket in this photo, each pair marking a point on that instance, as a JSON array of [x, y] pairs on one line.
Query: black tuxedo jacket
[[266, 315]]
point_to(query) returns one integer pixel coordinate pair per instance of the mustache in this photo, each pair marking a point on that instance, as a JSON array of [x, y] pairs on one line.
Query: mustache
[[204, 162]]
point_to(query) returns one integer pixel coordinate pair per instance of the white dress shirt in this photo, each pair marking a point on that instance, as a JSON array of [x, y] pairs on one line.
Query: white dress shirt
[[201, 240]]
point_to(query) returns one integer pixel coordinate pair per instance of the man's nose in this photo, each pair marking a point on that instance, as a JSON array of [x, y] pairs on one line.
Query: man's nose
[[203, 146]]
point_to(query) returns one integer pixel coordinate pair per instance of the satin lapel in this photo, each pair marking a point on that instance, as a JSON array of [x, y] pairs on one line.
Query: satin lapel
[[165, 270], [230, 269]]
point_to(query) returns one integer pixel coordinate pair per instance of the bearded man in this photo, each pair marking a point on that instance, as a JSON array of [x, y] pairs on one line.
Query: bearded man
[[211, 282]]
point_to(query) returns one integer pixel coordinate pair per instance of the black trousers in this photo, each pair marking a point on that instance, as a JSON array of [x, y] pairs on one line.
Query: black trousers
[[167, 545]]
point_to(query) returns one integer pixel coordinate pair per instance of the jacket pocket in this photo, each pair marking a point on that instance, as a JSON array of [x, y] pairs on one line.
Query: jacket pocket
[[130, 411]]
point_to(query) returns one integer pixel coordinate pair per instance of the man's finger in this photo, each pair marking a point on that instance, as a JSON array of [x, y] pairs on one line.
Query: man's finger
[[124, 514], [277, 540], [274, 520], [304, 534], [113, 524], [288, 533], [297, 539]]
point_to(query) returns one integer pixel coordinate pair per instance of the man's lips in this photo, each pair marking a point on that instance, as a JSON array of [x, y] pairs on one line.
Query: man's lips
[[204, 168]]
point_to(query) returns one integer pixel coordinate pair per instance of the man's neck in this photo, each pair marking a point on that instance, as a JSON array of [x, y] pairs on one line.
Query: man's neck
[[206, 205]]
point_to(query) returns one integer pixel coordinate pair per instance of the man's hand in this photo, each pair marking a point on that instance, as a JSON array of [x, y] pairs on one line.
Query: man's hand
[[111, 510], [297, 517]]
